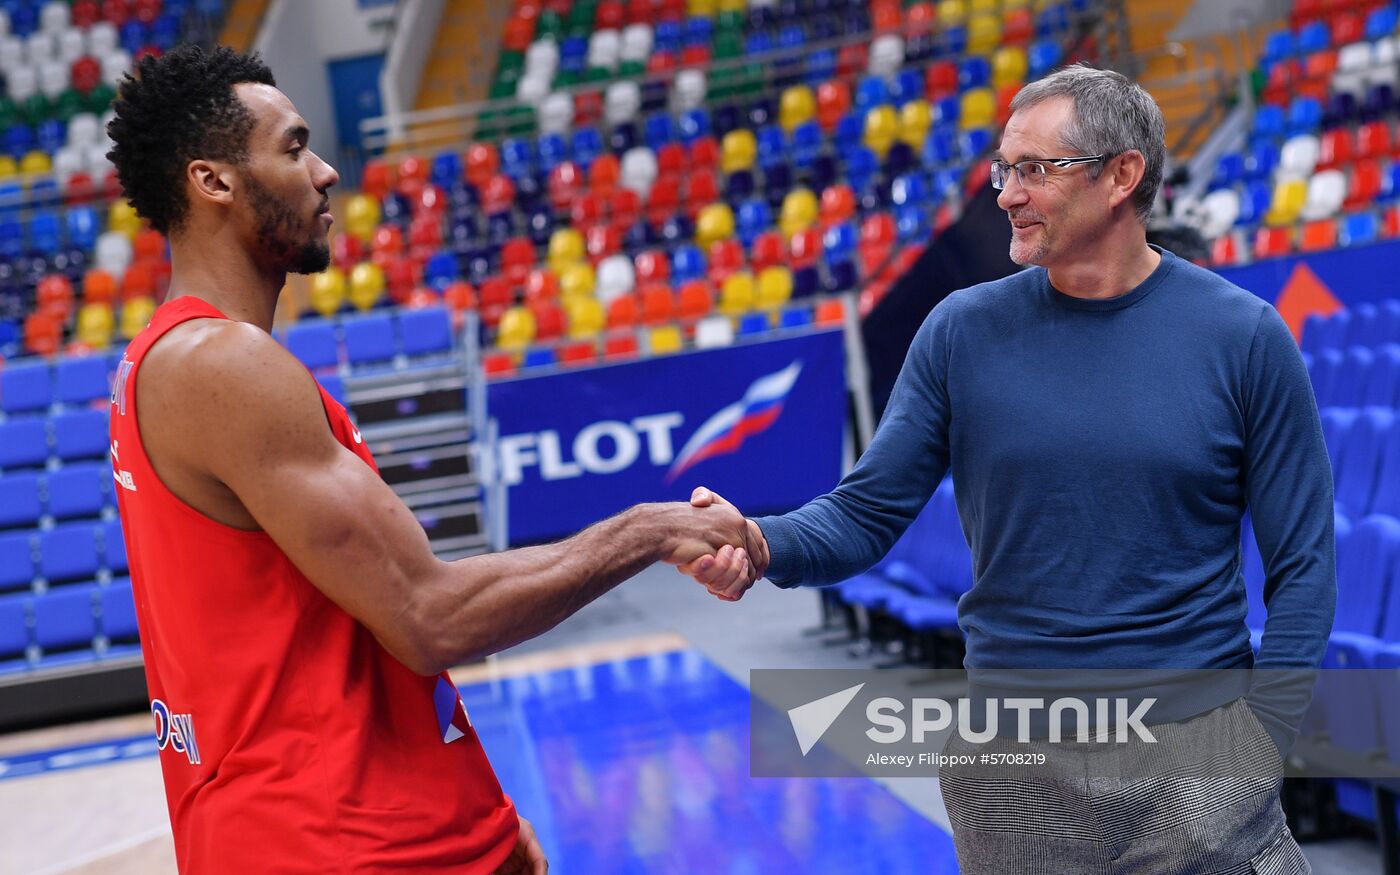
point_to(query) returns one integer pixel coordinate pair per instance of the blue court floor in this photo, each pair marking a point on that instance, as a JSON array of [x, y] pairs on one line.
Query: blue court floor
[[642, 766]]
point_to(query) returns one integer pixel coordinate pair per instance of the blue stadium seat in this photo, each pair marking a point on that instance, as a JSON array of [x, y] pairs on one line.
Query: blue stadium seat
[[334, 385], [1278, 46], [1268, 123], [1325, 366], [1351, 379], [538, 357], [113, 547], [25, 387], [1263, 158], [64, 618], [313, 342], [19, 499], [1336, 422], [81, 434], [1360, 459], [1382, 387], [1386, 498], [81, 379], [1359, 229], [369, 339], [118, 608], [68, 552], [795, 317], [425, 331], [24, 443], [1323, 332], [753, 323], [16, 560], [14, 631], [78, 490]]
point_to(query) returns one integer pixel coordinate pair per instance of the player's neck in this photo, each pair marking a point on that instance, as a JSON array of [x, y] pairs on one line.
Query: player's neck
[[225, 275]]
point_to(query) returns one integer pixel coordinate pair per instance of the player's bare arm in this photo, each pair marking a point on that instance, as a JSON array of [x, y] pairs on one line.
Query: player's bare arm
[[235, 427]]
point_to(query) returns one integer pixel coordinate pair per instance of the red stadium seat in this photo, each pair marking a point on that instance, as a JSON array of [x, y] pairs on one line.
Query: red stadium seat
[[704, 154], [517, 34], [1365, 185], [696, 56], [602, 241], [726, 257], [431, 201], [830, 312], [641, 12], [586, 211], [549, 319], [921, 17], [1283, 78], [588, 107], [833, 101], [671, 159], [1273, 242], [661, 62], [386, 243], [852, 59], [517, 259], [623, 346], [376, 179], [658, 304], [885, 18], [86, 73], [580, 353], [498, 194], [498, 364], [43, 332], [1318, 235], [624, 206], [1306, 11], [1320, 65], [1374, 140], [541, 285], [424, 237], [116, 11], [670, 10], [610, 14], [413, 175], [701, 189], [459, 296], [496, 296], [565, 181], [805, 247], [1390, 223], [54, 295], [878, 228], [768, 249], [85, 14], [346, 251], [1224, 251], [664, 199], [838, 203], [603, 174], [624, 312], [1017, 27], [652, 266], [941, 80], [696, 300], [1334, 148], [1347, 27]]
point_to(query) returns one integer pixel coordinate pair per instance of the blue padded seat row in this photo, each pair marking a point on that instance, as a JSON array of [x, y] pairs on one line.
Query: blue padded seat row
[[14, 629], [81, 434], [78, 490], [16, 560], [114, 547], [80, 379], [64, 618], [118, 611], [1359, 459], [313, 342], [25, 387], [369, 339], [19, 500]]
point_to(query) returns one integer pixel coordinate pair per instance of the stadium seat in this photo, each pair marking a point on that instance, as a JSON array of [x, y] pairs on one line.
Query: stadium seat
[[19, 500], [425, 331], [80, 434], [68, 552], [64, 619], [369, 339], [77, 490], [1318, 235], [24, 443], [25, 387], [80, 379], [14, 630], [1360, 460], [118, 612], [113, 547], [313, 343]]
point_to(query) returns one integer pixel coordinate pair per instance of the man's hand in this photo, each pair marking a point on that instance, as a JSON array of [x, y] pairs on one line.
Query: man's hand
[[527, 857], [720, 573], [693, 531]]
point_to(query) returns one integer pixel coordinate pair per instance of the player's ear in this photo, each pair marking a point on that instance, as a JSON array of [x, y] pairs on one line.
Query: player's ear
[[211, 181]]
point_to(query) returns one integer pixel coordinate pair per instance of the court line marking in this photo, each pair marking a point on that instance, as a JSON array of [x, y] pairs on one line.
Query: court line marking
[[99, 854]]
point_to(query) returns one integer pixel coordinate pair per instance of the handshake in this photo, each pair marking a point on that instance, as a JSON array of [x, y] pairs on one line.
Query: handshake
[[714, 544]]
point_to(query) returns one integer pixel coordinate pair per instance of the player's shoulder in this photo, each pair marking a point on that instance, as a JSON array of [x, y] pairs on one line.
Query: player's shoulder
[[206, 362], [1208, 295]]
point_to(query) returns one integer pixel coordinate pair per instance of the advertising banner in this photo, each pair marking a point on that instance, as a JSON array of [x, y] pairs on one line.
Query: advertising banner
[[760, 423]]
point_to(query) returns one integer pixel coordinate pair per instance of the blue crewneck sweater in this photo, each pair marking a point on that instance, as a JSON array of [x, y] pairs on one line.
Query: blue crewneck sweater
[[1102, 452]]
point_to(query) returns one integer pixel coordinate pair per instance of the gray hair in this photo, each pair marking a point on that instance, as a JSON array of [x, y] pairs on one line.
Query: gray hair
[[1112, 115]]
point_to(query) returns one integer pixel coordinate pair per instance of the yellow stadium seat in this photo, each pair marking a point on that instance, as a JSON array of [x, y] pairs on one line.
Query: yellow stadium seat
[[587, 318], [665, 339], [737, 295], [797, 105], [35, 163], [366, 285], [136, 314], [516, 329], [95, 325], [701, 8], [577, 279], [123, 219], [1287, 202], [915, 118], [8, 167], [328, 291], [566, 247], [774, 287], [1009, 66], [881, 129], [983, 7], [1013, 5], [715, 223], [983, 34], [362, 217], [738, 150], [951, 12], [799, 211], [733, 5], [978, 110]]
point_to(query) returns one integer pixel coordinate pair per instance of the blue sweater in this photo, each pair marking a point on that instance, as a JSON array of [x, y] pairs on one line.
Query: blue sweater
[[1103, 453]]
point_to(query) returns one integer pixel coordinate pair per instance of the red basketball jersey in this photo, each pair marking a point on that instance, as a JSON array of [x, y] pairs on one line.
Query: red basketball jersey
[[290, 740]]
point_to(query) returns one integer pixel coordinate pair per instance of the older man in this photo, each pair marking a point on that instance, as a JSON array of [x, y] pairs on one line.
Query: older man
[[1107, 417]]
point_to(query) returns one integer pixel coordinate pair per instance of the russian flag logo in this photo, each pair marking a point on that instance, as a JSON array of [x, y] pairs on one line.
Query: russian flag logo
[[726, 431]]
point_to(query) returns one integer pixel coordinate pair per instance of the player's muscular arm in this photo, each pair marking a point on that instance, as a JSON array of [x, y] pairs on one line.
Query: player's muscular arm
[[253, 421]]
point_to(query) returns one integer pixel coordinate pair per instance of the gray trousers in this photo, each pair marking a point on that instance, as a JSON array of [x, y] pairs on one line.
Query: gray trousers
[[1202, 800]]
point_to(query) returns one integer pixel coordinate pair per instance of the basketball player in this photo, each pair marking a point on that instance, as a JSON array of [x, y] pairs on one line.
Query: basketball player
[[295, 625], [1107, 417]]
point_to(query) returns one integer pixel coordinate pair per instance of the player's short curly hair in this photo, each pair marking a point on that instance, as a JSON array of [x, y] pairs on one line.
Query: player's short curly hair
[[178, 108]]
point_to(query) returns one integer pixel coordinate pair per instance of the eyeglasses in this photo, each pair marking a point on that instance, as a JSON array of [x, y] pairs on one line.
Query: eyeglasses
[[1032, 171]]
